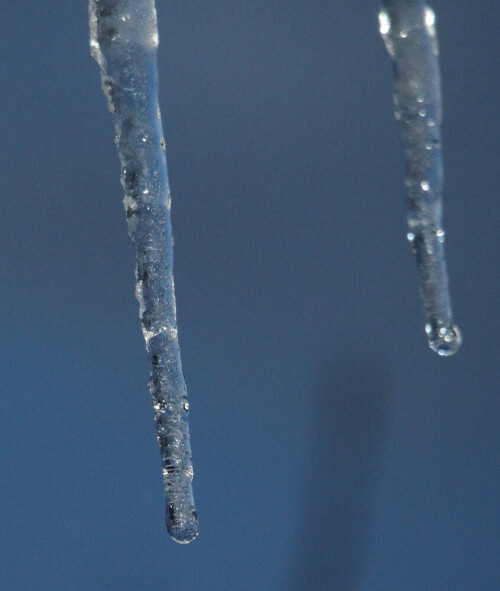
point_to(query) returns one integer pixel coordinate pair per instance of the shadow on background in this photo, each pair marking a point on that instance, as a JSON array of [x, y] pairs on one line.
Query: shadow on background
[[340, 478]]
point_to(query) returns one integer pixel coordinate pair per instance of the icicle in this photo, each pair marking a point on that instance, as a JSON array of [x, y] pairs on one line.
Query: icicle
[[124, 40], [408, 30]]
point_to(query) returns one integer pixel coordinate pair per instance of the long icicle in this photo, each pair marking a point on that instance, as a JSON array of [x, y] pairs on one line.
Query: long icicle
[[124, 41], [408, 30]]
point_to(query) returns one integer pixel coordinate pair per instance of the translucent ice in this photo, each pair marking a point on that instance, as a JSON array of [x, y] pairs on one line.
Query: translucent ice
[[408, 30], [124, 40]]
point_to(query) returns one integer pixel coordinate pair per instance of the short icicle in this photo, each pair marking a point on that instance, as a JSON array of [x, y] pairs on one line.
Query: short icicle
[[124, 41], [408, 30]]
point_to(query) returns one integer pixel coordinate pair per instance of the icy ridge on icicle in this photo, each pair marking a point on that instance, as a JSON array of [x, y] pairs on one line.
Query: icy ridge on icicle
[[408, 30], [124, 40]]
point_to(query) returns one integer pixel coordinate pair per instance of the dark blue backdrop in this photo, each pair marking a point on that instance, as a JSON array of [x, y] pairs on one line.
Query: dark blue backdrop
[[333, 450]]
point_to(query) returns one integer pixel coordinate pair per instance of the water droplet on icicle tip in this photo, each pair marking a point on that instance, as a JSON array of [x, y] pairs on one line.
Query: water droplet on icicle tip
[[444, 340], [184, 530], [184, 536]]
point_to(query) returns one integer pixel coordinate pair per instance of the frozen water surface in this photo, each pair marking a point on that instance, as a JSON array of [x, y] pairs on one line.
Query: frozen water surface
[[124, 41]]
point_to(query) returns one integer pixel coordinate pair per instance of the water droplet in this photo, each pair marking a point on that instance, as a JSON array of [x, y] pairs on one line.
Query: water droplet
[[184, 534], [425, 186], [445, 340], [440, 235]]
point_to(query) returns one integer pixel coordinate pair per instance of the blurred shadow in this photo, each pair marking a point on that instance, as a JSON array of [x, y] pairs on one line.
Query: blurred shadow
[[340, 479]]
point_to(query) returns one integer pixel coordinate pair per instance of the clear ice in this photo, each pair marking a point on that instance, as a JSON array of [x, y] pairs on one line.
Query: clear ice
[[408, 30], [124, 41]]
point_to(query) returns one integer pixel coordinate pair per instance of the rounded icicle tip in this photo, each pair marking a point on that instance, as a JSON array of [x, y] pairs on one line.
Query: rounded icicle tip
[[444, 340], [184, 534], [180, 516]]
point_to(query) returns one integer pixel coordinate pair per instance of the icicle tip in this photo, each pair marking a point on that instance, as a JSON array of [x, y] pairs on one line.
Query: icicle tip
[[444, 340]]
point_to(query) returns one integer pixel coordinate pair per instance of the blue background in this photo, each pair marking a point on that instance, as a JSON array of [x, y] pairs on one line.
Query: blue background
[[333, 450]]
